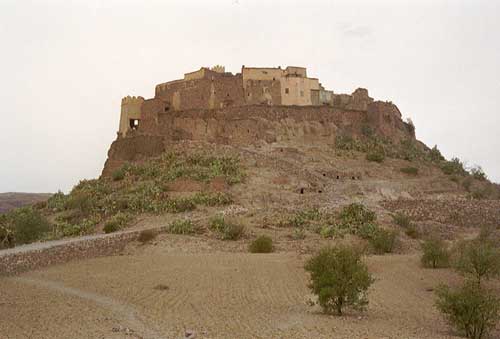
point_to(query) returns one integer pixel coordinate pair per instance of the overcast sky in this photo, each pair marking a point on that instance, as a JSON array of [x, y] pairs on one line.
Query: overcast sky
[[65, 65]]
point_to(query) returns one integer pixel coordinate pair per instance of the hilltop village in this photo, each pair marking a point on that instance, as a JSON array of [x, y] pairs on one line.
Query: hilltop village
[[214, 88]]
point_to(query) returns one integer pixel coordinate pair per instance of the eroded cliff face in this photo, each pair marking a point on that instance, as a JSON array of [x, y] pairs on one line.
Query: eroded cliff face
[[253, 125]]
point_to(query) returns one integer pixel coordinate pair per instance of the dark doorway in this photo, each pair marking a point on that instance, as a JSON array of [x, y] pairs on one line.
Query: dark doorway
[[134, 124]]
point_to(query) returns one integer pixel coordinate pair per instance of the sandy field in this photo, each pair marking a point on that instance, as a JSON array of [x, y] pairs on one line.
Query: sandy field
[[180, 283]]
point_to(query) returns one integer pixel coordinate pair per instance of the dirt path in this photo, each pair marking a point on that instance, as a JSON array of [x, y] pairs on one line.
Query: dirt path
[[125, 313]]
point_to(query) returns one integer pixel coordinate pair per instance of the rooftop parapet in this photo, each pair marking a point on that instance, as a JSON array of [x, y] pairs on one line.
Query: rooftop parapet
[[132, 100]]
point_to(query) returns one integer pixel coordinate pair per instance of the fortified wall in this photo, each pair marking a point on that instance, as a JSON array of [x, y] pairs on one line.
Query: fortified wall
[[257, 105]]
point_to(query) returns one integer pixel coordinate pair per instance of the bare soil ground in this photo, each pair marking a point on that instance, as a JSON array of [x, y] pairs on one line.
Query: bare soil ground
[[216, 290]]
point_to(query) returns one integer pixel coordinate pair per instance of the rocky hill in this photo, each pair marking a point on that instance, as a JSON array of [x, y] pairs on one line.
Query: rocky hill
[[185, 194], [265, 163], [11, 200]]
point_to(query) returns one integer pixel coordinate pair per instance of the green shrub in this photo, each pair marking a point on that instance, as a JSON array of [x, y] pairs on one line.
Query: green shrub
[[298, 233], [470, 309], [27, 225], [184, 226], [302, 218], [329, 231], [116, 222], [67, 229], [435, 253], [355, 215], [477, 259], [376, 156], [111, 226], [118, 174], [146, 236], [404, 221], [82, 201], [226, 230], [435, 155], [409, 150], [367, 230], [212, 199], [412, 231], [347, 143], [233, 232], [179, 205], [57, 201], [6, 237], [262, 244], [454, 166], [409, 170], [478, 173], [401, 219], [339, 278], [489, 234], [198, 166], [383, 241]]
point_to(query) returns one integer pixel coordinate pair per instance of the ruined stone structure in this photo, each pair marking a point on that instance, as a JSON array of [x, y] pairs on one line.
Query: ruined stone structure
[[272, 105], [215, 88]]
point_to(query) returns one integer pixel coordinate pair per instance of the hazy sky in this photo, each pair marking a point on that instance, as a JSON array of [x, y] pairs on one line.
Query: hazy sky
[[65, 65]]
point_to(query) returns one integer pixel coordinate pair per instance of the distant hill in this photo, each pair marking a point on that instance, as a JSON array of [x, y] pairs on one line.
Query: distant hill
[[11, 200]]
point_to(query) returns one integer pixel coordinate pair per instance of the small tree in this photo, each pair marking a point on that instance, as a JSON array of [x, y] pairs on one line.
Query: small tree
[[435, 254], [28, 225], [383, 241], [470, 309], [339, 278], [478, 259]]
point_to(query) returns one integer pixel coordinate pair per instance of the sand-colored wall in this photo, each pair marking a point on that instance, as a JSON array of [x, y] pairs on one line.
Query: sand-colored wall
[[299, 90], [199, 74], [253, 73], [296, 71], [130, 109]]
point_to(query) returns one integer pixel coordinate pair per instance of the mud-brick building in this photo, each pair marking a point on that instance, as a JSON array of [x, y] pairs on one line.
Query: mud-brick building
[[214, 88]]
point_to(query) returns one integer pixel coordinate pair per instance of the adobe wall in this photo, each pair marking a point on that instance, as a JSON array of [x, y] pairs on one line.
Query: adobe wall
[[268, 74], [299, 91], [131, 108], [359, 100], [215, 90], [266, 92]]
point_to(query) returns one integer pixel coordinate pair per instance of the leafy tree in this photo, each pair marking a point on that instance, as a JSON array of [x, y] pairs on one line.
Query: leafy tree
[[27, 224], [478, 259], [383, 241], [435, 254], [471, 309], [339, 278]]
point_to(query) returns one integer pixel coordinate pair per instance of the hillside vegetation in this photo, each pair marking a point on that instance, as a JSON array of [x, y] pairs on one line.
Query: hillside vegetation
[[113, 203]]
